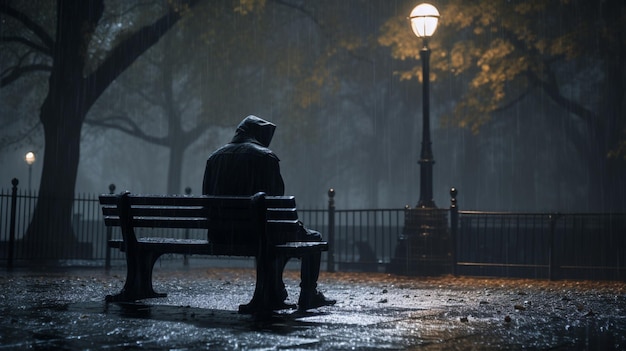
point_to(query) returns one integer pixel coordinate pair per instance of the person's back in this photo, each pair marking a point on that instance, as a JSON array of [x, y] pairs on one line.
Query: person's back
[[244, 167]]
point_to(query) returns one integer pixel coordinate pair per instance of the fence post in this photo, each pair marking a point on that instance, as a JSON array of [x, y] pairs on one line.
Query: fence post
[[552, 264], [454, 226], [107, 259], [14, 182], [331, 231], [185, 258]]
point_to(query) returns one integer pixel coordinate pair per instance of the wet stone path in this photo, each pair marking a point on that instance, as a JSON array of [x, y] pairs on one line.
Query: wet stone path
[[65, 310]]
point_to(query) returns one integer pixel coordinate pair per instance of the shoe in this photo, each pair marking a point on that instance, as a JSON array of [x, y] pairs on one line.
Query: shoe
[[315, 300], [248, 308], [283, 306]]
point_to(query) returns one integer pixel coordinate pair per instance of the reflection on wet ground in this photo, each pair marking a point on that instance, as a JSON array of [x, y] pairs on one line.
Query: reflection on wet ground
[[64, 309]]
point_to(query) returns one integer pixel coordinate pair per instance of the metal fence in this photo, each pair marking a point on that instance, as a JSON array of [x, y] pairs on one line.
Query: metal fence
[[532, 245], [87, 224], [542, 245], [363, 239]]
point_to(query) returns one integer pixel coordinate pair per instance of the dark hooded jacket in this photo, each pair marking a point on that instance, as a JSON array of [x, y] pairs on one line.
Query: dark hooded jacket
[[246, 165]]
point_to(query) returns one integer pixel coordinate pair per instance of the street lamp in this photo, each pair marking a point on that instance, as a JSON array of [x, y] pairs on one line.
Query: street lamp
[[30, 159], [424, 245], [424, 18]]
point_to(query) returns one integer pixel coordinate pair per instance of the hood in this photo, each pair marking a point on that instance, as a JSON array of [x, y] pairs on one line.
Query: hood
[[254, 129]]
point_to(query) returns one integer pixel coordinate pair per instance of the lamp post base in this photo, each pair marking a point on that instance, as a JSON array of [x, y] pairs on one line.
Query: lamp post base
[[424, 247]]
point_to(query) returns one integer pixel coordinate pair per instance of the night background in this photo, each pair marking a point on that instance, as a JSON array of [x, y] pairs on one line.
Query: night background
[[527, 98], [527, 122]]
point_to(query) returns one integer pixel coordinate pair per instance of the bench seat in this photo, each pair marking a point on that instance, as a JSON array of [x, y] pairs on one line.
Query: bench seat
[[204, 247], [257, 226]]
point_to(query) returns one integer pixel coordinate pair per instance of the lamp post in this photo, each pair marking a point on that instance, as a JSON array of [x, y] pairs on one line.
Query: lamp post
[[30, 159], [424, 246], [424, 19]]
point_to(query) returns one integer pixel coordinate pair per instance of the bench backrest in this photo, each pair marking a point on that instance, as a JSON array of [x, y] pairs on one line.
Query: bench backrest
[[230, 221]]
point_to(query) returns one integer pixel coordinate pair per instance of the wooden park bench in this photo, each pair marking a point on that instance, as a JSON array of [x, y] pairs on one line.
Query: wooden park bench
[[256, 226]]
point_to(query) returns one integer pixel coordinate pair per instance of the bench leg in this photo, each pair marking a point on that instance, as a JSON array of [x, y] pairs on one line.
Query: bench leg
[[258, 296], [138, 283], [264, 290]]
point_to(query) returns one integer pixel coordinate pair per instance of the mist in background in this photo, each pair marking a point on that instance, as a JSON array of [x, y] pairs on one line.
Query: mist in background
[[358, 131]]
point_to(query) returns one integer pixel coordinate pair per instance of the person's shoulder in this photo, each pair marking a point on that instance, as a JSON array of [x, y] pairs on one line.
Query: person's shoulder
[[246, 148], [260, 148], [222, 149], [262, 151]]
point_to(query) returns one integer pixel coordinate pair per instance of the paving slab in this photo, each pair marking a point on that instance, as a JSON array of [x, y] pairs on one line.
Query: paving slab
[[64, 309]]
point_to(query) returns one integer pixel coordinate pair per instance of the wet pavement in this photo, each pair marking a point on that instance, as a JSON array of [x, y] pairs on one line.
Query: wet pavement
[[64, 309]]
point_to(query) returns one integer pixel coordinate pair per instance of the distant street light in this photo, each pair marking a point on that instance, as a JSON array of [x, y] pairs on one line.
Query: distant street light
[[424, 19], [30, 159]]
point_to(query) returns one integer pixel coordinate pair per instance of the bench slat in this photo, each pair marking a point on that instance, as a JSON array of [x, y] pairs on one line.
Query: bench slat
[[183, 200], [233, 213], [202, 223], [280, 201], [222, 202], [158, 212], [282, 213], [188, 247], [107, 199], [271, 201], [297, 248], [195, 246], [163, 222]]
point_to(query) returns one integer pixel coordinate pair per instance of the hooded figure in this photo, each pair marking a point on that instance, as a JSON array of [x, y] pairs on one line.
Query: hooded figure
[[246, 166], [228, 170]]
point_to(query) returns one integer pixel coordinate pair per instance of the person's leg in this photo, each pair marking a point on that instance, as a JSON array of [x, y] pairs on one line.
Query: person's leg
[[309, 274], [310, 271], [310, 265]]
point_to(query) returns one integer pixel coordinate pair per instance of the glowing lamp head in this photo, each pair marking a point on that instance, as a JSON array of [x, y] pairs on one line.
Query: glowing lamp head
[[424, 19], [29, 158]]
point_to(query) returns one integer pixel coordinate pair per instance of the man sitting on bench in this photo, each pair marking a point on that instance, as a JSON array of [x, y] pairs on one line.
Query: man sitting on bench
[[244, 167]]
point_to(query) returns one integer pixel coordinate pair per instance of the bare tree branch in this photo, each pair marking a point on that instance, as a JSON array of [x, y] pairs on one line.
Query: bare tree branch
[[126, 125], [25, 42], [550, 84], [552, 89], [20, 137], [125, 53], [514, 101], [46, 39], [17, 72], [301, 9]]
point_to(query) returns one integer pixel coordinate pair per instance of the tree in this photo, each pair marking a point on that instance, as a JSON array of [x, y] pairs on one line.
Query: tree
[[75, 83], [573, 51], [158, 91], [281, 64], [198, 77]]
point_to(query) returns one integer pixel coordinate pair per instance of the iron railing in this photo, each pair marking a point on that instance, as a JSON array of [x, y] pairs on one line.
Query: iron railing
[[363, 239], [540, 245], [532, 245]]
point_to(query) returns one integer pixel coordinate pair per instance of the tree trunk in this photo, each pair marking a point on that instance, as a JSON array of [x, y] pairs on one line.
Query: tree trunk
[[607, 188], [50, 232], [177, 153], [614, 107], [70, 96]]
